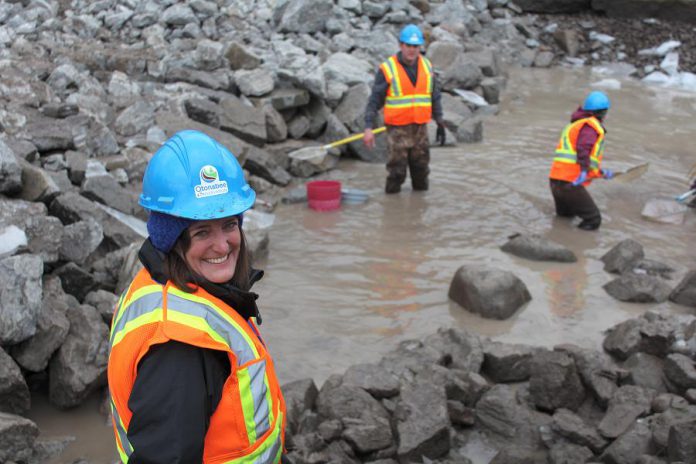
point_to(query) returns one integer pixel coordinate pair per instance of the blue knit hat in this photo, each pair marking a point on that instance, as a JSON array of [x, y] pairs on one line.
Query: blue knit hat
[[165, 229]]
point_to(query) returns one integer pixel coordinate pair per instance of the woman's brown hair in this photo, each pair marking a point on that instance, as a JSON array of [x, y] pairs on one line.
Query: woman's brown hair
[[185, 279]]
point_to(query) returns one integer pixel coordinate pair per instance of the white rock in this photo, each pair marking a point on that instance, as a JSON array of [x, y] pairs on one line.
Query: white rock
[[471, 97], [601, 38], [687, 81], [657, 77], [661, 50], [12, 238], [670, 63]]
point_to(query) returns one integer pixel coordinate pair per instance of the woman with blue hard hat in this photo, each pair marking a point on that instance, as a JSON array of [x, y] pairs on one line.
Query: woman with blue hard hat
[[578, 160], [189, 375]]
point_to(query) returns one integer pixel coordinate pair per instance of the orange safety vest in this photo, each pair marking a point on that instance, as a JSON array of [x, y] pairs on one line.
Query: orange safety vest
[[565, 162], [406, 103], [248, 425]]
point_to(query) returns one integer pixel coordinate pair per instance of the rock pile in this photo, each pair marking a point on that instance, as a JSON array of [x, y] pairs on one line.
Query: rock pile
[[423, 402]]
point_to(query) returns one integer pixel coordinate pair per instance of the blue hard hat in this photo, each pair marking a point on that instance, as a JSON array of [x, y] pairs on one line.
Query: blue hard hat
[[192, 176], [596, 101], [411, 35]]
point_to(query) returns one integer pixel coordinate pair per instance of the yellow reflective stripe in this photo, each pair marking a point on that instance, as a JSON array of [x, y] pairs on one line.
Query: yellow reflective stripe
[[259, 392], [195, 322], [217, 320], [428, 74], [395, 84], [247, 399], [118, 314], [155, 315], [125, 449], [124, 304], [570, 159], [269, 451], [388, 75]]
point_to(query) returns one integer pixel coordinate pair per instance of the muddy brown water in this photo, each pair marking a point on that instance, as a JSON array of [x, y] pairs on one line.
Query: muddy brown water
[[344, 287]]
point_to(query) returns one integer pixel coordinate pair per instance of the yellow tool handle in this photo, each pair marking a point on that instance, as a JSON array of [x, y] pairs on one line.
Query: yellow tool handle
[[352, 138]]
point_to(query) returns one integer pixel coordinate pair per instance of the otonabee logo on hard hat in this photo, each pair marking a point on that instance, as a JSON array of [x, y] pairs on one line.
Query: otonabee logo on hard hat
[[210, 183], [414, 38]]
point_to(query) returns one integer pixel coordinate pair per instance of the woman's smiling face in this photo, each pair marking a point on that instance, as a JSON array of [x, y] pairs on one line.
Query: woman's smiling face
[[214, 248]]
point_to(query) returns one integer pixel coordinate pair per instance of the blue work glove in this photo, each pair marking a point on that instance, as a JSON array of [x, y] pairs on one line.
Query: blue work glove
[[607, 174], [582, 177]]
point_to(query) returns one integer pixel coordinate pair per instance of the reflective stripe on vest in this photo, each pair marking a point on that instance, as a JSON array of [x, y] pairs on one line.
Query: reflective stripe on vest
[[196, 314], [406, 103], [566, 151]]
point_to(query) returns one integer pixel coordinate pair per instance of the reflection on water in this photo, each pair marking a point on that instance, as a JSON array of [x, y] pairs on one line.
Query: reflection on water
[[346, 286]]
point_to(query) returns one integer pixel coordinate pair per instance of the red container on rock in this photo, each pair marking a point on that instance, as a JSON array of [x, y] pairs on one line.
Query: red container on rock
[[324, 195]]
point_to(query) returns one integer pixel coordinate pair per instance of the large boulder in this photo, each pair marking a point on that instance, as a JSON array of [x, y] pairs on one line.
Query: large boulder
[[14, 393], [554, 382], [492, 293], [20, 297], [623, 256], [638, 288]]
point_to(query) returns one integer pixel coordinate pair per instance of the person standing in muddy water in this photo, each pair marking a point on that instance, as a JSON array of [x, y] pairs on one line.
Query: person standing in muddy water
[[578, 160], [406, 87], [189, 376]]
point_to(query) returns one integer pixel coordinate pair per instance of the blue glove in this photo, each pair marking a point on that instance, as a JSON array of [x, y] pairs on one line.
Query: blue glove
[[582, 177], [607, 174]]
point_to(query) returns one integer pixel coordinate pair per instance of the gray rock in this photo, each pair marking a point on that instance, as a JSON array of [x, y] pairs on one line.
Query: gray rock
[[203, 110], [685, 292], [680, 370], [246, 122], [255, 82], [463, 73], [14, 393], [276, 129], [505, 362], [568, 453], [646, 371], [571, 426], [554, 382], [104, 302], [20, 294], [106, 190], [623, 256], [305, 16], [492, 293], [72, 207], [597, 370], [298, 126], [650, 336], [638, 288], [538, 248], [17, 436], [283, 99], [458, 349], [630, 446], [136, 118], [370, 437], [49, 134], [80, 239], [76, 280], [347, 69], [423, 422], [79, 365], [261, 163], [241, 57], [351, 110], [628, 404], [34, 353], [500, 413], [682, 442], [179, 15], [373, 379], [37, 184], [10, 171], [300, 395]]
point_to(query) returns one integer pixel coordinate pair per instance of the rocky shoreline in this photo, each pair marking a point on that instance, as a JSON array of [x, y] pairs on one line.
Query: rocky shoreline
[[90, 89]]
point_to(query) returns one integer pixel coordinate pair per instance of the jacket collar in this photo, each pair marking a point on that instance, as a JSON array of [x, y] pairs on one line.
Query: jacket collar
[[243, 302]]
